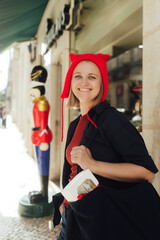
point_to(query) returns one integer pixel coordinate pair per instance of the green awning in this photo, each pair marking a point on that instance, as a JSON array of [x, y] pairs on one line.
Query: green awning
[[19, 20]]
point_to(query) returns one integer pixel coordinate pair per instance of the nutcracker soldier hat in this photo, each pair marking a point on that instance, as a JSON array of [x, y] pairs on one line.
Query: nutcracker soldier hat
[[100, 60], [38, 76]]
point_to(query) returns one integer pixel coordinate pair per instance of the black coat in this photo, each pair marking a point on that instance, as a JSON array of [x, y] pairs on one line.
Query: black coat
[[115, 210]]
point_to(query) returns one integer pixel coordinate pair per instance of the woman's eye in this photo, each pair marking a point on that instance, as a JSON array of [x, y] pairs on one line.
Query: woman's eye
[[92, 77], [77, 76]]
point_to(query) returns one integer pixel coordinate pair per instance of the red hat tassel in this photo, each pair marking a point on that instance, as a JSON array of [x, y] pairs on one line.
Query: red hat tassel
[[91, 121], [90, 118], [62, 120]]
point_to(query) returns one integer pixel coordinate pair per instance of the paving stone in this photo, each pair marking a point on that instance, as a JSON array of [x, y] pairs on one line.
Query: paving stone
[[18, 176]]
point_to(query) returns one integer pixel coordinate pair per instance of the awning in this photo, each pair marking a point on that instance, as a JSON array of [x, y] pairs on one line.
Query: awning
[[19, 20]]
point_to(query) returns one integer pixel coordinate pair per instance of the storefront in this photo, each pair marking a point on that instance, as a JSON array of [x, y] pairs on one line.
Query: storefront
[[125, 84], [109, 27]]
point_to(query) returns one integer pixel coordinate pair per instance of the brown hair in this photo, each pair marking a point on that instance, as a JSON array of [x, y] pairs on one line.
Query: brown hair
[[72, 100]]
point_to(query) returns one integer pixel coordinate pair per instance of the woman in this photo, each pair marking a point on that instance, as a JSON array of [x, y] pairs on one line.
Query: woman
[[104, 141]]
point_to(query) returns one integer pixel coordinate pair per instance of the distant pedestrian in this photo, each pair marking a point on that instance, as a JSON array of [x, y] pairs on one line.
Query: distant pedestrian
[[4, 116], [0, 114]]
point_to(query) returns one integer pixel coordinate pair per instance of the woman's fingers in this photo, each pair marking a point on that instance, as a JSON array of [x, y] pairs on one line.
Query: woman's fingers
[[78, 149], [82, 156]]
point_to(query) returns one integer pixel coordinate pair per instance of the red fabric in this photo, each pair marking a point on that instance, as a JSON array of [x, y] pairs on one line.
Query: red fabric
[[100, 60], [80, 196], [137, 88], [75, 142], [62, 120], [91, 121], [41, 121]]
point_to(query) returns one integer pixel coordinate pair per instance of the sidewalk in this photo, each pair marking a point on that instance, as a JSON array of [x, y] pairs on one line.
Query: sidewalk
[[18, 176]]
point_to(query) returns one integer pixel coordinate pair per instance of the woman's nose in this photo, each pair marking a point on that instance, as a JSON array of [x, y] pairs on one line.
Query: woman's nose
[[85, 79]]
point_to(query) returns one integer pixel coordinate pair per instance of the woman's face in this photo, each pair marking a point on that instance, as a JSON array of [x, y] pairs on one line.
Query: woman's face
[[86, 81]]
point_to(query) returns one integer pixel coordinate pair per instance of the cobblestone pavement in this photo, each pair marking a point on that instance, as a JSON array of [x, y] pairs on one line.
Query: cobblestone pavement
[[18, 176]]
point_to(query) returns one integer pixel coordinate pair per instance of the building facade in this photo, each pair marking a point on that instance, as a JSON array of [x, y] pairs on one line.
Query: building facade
[[114, 27]]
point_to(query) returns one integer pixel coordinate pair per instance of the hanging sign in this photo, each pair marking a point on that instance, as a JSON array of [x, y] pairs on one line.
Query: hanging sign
[[65, 21]]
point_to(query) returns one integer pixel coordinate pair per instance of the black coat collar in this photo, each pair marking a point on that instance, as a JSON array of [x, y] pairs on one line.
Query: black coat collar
[[100, 107], [90, 130]]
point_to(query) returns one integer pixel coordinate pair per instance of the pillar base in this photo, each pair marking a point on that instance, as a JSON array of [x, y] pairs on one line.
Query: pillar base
[[35, 210]]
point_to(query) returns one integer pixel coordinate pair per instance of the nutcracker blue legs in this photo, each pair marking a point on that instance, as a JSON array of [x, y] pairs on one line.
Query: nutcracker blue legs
[[43, 167]]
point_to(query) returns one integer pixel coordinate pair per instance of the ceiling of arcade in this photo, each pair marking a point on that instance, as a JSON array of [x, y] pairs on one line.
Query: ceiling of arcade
[[110, 25]]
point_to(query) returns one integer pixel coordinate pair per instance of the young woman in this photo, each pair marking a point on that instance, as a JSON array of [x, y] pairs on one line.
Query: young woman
[[125, 205]]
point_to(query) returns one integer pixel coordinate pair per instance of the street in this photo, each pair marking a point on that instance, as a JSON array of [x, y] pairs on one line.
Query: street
[[18, 176]]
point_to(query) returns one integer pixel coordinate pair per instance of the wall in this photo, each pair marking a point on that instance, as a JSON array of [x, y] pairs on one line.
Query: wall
[[20, 76], [151, 81], [109, 24], [59, 64]]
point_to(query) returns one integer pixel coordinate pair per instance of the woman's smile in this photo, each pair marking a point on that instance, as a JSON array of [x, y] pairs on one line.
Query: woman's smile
[[84, 89]]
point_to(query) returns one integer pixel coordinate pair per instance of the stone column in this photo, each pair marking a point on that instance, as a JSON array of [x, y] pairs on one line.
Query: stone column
[[55, 119], [58, 69], [151, 81]]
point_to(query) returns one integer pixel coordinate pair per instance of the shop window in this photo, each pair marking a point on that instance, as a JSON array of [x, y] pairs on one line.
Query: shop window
[[125, 85]]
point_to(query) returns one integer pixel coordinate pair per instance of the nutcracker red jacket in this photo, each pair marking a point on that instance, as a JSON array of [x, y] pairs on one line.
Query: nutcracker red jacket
[[114, 210], [41, 133]]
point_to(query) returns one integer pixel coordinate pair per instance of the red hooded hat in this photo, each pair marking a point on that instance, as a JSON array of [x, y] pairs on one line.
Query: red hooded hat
[[100, 60]]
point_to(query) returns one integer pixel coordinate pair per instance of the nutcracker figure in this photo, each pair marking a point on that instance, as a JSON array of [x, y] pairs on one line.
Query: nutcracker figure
[[41, 134]]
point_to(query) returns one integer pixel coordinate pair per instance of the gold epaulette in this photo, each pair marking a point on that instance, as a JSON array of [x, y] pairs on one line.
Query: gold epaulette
[[42, 105]]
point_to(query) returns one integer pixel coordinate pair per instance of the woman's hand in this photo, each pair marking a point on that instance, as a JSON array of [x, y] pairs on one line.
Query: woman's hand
[[151, 177], [82, 156], [61, 208]]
